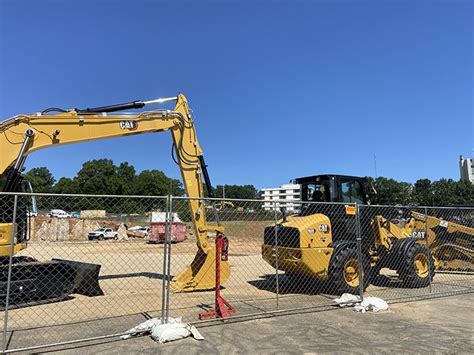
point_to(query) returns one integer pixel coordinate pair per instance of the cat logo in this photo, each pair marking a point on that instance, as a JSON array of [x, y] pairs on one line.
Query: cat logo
[[324, 228], [418, 234], [130, 125]]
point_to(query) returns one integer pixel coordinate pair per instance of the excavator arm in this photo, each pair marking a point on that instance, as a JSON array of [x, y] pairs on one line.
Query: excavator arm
[[25, 133]]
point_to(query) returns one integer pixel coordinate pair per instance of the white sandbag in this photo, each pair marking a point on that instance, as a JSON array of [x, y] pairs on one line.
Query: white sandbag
[[147, 326], [163, 333], [347, 300], [371, 304]]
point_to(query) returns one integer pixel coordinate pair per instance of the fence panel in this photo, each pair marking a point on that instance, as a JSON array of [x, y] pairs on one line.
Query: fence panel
[[54, 297], [272, 265], [450, 236], [299, 257], [311, 274], [414, 251], [251, 285]]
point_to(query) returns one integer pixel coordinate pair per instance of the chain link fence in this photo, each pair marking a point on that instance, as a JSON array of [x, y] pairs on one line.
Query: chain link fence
[[85, 273], [88, 267]]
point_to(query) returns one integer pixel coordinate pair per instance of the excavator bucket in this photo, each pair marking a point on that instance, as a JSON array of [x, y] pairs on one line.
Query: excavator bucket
[[36, 282], [86, 277], [201, 274]]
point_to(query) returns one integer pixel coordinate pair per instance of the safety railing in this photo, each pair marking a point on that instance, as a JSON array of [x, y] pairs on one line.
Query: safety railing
[[85, 267]]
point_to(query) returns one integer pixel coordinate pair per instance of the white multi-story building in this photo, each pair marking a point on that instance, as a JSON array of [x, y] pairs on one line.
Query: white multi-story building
[[283, 196], [466, 167]]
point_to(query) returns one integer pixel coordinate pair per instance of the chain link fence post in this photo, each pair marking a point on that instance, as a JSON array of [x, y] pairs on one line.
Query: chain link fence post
[[9, 278], [359, 253], [165, 284], [427, 246], [277, 283], [168, 237]]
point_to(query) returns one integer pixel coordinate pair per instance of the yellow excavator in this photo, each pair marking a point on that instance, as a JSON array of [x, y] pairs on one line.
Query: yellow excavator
[[320, 241], [42, 281]]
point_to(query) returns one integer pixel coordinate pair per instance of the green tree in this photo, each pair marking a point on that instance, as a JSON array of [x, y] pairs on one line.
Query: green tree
[[422, 192], [392, 192], [464, 192], [449, 192], [41, 179], [98, 177], [66, 186], [127, 177], [236, 191], [443, 192], [155, 182]]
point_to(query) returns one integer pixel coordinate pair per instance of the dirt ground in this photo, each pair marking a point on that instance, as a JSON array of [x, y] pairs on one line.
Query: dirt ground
[[131, 277], [440, 326]]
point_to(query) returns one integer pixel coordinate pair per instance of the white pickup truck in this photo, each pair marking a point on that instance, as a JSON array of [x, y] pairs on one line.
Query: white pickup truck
[[103, 233]]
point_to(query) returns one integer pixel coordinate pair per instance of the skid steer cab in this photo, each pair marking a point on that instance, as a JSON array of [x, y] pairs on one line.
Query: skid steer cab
[[320, 240]]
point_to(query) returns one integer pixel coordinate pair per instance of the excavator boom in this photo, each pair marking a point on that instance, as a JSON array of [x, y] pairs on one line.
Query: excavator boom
[[26, 133]]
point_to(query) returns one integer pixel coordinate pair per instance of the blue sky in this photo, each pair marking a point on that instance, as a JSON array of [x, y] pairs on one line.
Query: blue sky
[[279, 89]]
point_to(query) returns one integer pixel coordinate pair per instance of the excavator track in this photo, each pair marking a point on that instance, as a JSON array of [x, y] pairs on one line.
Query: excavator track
[[36, 282]]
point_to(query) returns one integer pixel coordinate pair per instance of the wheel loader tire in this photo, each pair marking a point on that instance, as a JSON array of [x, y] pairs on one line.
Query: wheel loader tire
[[344, 271], [417, 266]]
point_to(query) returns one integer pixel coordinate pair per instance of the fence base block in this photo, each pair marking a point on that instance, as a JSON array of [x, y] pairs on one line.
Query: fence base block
[[223, 309]]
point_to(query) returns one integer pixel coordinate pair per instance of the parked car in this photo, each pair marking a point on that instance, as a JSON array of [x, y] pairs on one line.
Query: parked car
[[144, 230], [58, 214], [103, 233], [138, 231], [75, 215]]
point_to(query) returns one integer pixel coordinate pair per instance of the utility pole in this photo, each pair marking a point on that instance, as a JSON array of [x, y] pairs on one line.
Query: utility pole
[[375, 165]]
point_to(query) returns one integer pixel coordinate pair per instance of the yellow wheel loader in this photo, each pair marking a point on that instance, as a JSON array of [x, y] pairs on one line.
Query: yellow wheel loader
[[42, 281], [320, 241]]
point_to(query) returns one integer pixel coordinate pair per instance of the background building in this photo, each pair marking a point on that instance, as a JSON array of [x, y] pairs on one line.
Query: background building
[[286, 194], [466, 167]]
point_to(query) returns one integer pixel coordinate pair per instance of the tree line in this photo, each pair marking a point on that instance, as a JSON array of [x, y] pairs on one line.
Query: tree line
[[103, 177], [424, 192]]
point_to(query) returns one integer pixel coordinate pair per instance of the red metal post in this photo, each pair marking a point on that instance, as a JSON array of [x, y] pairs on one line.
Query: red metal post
[[222, 308]]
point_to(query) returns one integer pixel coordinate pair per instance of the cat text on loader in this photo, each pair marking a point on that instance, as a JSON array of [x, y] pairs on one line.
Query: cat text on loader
[[450, 243], [320, 240], [34, 281]]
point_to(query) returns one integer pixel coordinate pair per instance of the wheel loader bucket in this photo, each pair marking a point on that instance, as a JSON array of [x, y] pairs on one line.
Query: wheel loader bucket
[[201, 274]]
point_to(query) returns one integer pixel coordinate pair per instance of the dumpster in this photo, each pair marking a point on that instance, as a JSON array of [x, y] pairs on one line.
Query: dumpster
[[157, 232]]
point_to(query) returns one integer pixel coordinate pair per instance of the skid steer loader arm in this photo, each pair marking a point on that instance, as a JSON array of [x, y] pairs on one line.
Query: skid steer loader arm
[[25, 133]]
